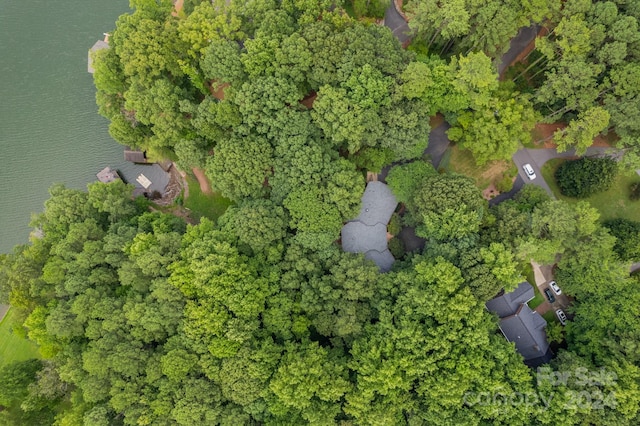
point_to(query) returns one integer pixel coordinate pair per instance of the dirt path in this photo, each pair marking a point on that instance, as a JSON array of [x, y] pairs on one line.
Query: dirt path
[[205, 186], [177, 5]]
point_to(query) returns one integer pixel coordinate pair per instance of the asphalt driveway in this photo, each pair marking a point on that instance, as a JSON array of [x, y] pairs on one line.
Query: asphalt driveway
[[396, 23], [538, 157]]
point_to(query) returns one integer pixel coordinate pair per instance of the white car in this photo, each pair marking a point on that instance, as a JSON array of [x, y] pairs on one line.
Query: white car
[[529, 171], [555, 287], [562, 317]]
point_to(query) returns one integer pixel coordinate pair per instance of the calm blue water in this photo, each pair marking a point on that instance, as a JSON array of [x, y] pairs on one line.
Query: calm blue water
[[49, 127]]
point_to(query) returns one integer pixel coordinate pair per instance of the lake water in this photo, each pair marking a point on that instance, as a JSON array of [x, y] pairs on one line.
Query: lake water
[[50, 130]]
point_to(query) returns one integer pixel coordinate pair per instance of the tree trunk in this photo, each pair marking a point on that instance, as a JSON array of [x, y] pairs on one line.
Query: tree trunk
[[529, 67]]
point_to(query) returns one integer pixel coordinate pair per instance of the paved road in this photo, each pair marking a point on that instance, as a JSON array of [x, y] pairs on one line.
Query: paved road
[[537, 158], [517, 45], [438, 143], [396, 23], [635, 266], [517, 186]]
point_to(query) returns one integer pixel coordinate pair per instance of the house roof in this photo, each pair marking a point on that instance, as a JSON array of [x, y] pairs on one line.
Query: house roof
[[360, 238], [152, 172], [536, 362], [526, 329], [378, 204], [521, 325], [383, 259], [368, 232], [509, 303]]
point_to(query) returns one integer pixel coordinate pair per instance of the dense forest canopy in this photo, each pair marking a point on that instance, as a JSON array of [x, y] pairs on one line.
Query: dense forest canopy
[[260, 317]]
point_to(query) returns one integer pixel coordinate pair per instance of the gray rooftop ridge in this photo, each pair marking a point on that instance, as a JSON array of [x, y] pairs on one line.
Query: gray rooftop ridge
[[520, 324]]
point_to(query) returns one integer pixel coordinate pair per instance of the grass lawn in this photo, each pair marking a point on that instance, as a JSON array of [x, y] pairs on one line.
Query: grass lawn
[[611, 204], [12, 347], [461, 161], [538, 299], [527, 271], [202, 205], [550, 316]]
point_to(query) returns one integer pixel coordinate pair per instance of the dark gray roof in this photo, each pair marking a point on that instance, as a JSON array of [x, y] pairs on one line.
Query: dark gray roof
[[509, 303], [158, 177], [526, 329], [378, 204], [368, 233]]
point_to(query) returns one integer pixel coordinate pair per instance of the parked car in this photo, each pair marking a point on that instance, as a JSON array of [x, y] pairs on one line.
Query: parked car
[[562, 317], [555, 288], [550, 297], [529, 171]]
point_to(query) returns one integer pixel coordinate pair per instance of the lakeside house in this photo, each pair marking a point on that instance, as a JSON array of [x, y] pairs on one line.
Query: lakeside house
[[521, 325], [368, 232]]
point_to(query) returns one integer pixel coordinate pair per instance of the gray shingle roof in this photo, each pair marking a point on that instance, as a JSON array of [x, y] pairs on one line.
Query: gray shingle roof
[[378, 204], [383, 259], [360, 238], [526, 329], [509, 303], [519, 323], [158, 177], [368, 232]]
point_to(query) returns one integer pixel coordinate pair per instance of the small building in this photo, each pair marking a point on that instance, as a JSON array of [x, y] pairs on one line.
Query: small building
[[135, 156], [368, 232], [99, 45], [146, 178], [521, 325], [107, 175]]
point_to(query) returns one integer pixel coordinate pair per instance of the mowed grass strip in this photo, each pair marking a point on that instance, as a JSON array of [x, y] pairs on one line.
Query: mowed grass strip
[[611, 204], [461, 161], [14, 347], [203, 205]]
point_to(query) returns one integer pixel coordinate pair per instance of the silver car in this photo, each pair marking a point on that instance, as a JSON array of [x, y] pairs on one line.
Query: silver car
[[562, 317], [529, 171]]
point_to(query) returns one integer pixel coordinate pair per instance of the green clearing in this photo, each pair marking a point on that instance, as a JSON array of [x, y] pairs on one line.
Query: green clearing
[[550, 316], [461, 161], [12, 346], [538, 299], [202, 205], [611, 204]]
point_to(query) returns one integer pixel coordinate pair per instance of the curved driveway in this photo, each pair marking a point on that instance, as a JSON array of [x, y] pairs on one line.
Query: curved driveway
[[537, 158], [397, 23]]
